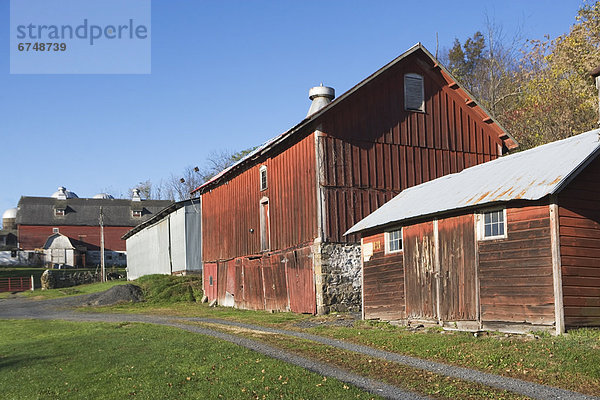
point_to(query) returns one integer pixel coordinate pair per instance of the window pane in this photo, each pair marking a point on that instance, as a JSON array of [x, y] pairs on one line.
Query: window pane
[[501, 229], [494, 217], [488, 230], [495, 230], [487, 218]]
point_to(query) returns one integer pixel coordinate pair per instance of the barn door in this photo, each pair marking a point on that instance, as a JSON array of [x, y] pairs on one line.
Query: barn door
[[458, 293], [253, 284], [274, 283], [300, 281], [419, 267]]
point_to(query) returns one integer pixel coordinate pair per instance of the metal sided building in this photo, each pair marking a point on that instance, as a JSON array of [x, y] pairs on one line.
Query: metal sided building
[[168, 243], [513, 244], [273, 224]]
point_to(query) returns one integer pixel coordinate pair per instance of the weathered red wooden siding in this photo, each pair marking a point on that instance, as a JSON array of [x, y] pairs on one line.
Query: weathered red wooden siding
[[210, 285], [419, 271], [516, 282], [34, 237], [579, 219], [458, 279], [373, 148], [383, 282], [230, 210]]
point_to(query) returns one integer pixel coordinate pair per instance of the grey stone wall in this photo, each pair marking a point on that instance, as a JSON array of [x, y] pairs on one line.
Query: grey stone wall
[[340, 277], [54, 279]]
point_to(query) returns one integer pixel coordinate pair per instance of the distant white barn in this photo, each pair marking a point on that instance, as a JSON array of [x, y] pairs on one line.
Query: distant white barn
[[169, 243], [59, 251]]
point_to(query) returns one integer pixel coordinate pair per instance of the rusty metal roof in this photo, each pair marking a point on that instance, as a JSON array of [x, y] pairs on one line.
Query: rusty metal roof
[[528, 175]]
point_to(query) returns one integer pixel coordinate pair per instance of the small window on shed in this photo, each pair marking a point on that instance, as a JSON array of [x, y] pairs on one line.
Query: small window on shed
[[493, 224], [414, 94], [58, 212], [393, 241], [136, 213], [263, 177], [54, 230]]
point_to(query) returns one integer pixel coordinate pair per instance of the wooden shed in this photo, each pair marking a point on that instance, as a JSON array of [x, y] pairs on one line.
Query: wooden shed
[[273, 224], [512, 244]]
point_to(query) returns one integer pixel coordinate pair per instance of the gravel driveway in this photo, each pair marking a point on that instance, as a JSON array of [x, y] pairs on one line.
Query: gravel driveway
[[63, 308]]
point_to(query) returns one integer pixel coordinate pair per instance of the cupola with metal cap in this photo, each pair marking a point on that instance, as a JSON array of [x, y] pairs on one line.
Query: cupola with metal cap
[[320, 96]]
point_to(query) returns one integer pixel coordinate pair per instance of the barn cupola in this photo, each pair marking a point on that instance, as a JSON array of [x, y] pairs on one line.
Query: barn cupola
[[136, 195], [320, 96]]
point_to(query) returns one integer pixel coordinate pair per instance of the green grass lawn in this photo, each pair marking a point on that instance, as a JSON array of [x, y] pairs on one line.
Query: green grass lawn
[[73, 360], [571, 361]]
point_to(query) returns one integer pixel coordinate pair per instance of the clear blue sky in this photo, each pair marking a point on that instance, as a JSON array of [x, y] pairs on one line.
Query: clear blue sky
[[225, 75]]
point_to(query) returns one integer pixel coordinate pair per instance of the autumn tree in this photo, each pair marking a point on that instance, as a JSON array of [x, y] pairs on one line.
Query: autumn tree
[[486, 65], [557, 96]]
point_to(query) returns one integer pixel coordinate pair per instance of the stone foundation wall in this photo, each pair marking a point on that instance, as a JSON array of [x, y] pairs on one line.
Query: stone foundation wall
[[54, 279], [338, 277]]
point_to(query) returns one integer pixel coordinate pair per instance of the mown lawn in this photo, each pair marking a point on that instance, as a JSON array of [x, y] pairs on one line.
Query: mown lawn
[[74, 360], [571, 361]]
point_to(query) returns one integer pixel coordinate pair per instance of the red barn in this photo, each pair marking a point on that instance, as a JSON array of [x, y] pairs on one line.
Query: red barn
[[513, 244], [79, 219], [273, 224]]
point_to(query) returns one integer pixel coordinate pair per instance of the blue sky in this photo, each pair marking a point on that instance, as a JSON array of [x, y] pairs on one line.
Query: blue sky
[[225, 75]]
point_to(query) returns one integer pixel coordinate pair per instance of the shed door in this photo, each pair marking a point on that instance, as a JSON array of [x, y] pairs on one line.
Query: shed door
[[58, 256], [419, 267], [458, 301]]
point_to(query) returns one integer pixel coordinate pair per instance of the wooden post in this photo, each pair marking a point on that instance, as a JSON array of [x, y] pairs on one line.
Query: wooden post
[[32, 285], [559, 311], [437, 271], [102, 272]]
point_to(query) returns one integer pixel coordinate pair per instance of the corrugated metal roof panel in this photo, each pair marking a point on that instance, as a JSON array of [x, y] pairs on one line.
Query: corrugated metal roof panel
[[529, 175]]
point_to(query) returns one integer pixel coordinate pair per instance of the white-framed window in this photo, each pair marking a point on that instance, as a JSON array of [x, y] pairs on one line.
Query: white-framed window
[[136, 213], [393, 241], [263, 177], [59, 212], [492, 224], [414, 93], [54, 230]]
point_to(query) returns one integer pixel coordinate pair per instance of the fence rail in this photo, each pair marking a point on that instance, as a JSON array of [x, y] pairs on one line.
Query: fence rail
[[16, 284]]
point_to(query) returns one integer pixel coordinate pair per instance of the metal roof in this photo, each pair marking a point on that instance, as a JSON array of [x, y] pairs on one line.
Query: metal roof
[[528, 175], [78, 212], [196, 202], [268, 145]]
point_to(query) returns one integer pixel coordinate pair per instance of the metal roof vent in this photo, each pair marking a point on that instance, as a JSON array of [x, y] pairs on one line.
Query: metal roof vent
[[320, 96], [63, 194], [136, 195]]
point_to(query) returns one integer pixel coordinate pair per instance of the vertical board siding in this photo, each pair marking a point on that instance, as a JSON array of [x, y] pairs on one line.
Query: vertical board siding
[[372, 146], [232, 209], [419, 268], [210, 270], [516, 273], [579, 230], [383, 282], [458, 291], [33, 237]]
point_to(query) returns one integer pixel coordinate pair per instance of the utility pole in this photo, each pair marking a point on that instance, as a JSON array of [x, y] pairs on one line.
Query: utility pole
[[102, 272]]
